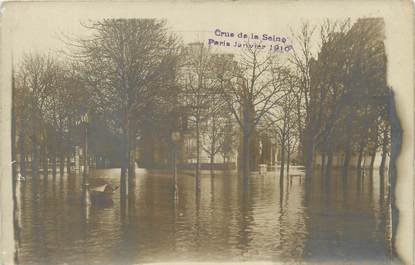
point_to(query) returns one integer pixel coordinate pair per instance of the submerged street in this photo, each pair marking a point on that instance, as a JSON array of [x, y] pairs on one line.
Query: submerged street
[[330, 219]]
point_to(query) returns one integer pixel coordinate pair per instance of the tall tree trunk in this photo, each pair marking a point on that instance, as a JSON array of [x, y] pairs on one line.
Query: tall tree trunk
[[131, 159], [348, 145], [59, 146], [373, 151], [282, 160], [44, 156], [69, 152], [374, 148], [123, 183], [288, 160], [396, 143], [22, 150], [124, 165], [62, 163], [85, 199], [174, 166], [213, 144], [197, 184], [329, 157], [245, 156], [372, 161], [347, 158], [61, 153], [308, 152], [34, 165], [34, 160], [384, 152], [300, 128], [54, 154], [364, 136], [360, 157], [68, 164], [54, 164], [323, 161]]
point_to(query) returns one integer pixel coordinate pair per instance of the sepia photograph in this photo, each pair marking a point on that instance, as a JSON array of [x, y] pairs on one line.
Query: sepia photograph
[[232, 135]]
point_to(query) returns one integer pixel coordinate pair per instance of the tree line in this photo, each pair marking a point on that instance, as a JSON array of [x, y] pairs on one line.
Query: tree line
[[327, 98]]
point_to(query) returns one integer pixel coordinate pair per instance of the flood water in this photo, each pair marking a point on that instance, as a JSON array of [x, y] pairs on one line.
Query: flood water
[[330, 219]]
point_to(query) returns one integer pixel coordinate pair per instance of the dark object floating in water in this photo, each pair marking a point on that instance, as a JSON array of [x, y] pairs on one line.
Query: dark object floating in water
[[102, 194]]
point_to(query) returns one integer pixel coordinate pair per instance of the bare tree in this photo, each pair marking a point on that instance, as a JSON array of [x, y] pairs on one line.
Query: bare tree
[[302, 59], [254, 86], [281, 122], [65, 101], [228, 140], [385, 134], [311, 80], [348, 90], [198, 92], [215, 128], [38, 76], [124, 62]]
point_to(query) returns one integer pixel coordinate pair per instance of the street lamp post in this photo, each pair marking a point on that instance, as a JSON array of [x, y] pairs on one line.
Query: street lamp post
[[85, 121], [85, 182], [175, 138]]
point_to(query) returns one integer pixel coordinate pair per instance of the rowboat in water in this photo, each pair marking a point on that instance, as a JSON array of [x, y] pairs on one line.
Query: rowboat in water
[[102, 193]]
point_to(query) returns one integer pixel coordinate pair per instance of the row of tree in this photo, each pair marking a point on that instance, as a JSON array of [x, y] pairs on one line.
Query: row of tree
[[47, 98], [346, 97], [134, 77]]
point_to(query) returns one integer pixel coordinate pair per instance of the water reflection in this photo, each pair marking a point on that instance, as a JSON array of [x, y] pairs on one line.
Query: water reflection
[[292, 218]]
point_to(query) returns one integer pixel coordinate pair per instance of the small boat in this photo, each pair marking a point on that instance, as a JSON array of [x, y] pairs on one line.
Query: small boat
[[102, 193]]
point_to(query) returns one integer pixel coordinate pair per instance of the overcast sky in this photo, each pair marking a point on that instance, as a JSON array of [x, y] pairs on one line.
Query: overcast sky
[[40, 28]]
